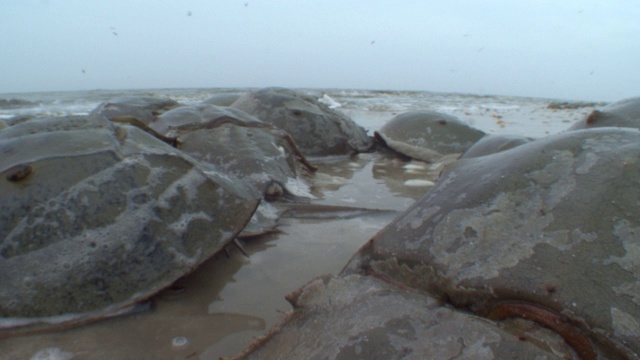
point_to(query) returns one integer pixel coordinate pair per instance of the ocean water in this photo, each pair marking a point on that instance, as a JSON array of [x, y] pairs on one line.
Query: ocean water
[[370, 108], [221, 308]]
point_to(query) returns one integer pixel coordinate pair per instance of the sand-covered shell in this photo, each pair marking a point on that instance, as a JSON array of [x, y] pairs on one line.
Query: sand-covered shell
[[427, 135], [95, 217], [317, 129], [546, 231], [624, 113]]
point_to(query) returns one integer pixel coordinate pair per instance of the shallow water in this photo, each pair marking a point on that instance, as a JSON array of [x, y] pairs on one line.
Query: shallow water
[[219, 309]]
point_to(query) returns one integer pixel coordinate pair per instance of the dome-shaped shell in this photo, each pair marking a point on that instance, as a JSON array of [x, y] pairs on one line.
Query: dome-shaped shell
[[143, 108], [317, 129], [95, 217], [186, 118], [547, 230], [238, 143], [222, 99], [624, 113], [427, 135], [364, 317], [491, 144]]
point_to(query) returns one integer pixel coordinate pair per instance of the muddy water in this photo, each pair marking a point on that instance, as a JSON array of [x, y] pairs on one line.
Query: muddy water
[[220, 308]]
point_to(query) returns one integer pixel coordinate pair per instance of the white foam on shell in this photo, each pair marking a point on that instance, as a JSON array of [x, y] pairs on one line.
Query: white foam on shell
[[329, 101], [52, 353], [414, 166], [298, 187]]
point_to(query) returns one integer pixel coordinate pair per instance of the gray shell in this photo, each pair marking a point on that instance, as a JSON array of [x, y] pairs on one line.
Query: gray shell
[[361, 317], [222, 99], [95, 217], [491, 144], [238, 143], [553, 223], [143, 108], [427, 135], [316, 128], [624, 113], [186, 118]]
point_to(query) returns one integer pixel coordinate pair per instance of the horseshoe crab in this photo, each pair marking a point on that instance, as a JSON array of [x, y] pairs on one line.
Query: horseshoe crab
[[143, 108], [363, 317], [260, 154], [106, 216], [546, 231], [427, 135], [624, 113], [222, 99], [241, 144], [186, 118], [491, 144], [318, 130]]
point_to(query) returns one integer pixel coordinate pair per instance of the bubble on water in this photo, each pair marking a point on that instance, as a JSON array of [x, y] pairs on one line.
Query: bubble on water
[[256, 323], [418, 182], [179, 341], [52, 354], [415, 166]]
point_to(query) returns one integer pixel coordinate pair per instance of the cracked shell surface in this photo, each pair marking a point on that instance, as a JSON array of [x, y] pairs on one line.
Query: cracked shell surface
[[428, 135], [554, 222], [361, 317], [624, 113], [108, 216], [317, 129]]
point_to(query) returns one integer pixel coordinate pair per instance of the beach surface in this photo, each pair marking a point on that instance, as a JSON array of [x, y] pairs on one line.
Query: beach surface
[[221, 308]]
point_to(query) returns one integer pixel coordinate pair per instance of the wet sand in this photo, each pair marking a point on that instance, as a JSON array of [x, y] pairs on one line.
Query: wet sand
[[220, 308]]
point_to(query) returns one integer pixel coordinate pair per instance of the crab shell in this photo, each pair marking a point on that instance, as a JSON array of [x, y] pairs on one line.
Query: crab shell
[[427, 135], [553, 224], [107, 216], [317, 129]]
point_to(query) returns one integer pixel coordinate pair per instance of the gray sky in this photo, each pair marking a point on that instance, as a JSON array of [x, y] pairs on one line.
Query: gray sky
[[571, 49]]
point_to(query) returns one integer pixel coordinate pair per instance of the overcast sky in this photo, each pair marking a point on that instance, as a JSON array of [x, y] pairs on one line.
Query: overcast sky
[[573, 49]]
